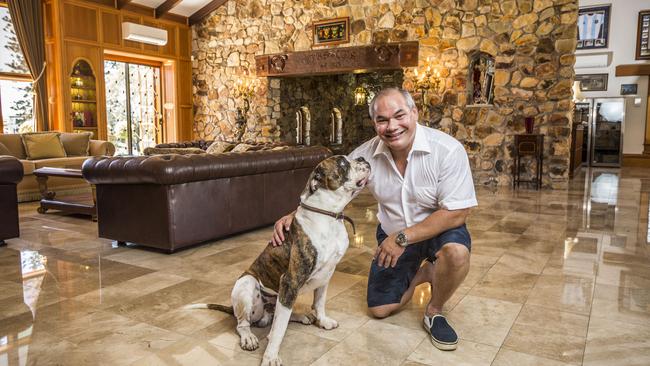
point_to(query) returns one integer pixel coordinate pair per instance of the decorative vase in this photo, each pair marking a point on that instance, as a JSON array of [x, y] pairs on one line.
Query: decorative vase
[[529, 122]]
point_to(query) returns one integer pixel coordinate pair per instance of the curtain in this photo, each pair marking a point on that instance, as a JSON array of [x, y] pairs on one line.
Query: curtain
[[27, 18]]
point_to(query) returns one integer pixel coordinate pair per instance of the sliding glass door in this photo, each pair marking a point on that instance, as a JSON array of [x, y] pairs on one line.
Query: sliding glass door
[[133, 106]]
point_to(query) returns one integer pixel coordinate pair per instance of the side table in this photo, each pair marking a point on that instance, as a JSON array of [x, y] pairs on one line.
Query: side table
[[529, 145]]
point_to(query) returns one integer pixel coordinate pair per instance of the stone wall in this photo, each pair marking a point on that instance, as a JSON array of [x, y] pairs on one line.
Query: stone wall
[[532, 41]]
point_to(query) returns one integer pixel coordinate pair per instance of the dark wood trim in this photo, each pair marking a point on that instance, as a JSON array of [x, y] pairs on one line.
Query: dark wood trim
[[636, 160], [200, 14], [140, 9], [633, 70], [119, 4], [175, 18], [165, 7], [389, 56]]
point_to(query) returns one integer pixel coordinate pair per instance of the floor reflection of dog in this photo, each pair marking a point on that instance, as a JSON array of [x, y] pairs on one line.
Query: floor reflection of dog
[[315, 243]]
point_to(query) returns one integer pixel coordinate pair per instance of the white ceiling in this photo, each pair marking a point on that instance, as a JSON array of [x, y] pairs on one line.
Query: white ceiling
[[184, 8]]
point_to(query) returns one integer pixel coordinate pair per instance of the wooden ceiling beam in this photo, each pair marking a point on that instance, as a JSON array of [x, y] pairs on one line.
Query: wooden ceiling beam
[[166, 7], [633, 70], [121, 3], [200, 14]]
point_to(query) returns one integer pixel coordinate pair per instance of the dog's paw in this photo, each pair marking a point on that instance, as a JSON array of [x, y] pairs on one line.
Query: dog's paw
[[307, 319], [271, 361], [327, 323], [249, 342]]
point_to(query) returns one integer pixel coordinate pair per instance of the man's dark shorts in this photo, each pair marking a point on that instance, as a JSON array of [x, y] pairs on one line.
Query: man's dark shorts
[[387, 285]]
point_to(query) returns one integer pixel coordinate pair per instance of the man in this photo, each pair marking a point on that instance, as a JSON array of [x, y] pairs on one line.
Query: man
[[423, 184]]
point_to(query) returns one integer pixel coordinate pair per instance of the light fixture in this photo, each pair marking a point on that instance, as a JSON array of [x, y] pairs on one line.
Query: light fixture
[[360, 95], [577, 93], [427, 80]]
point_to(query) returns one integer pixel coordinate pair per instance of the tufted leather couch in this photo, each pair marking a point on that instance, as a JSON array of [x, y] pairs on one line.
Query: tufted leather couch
[[174, 201], [11, 172]]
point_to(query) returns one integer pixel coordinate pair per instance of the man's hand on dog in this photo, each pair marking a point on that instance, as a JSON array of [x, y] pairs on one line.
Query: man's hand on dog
[[280, 227], [388, 252]]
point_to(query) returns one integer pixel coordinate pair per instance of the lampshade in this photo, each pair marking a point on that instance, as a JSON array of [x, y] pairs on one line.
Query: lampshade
[[577, 94]]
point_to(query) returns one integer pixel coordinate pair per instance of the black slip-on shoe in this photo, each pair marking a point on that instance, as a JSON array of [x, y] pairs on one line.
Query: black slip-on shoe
[[443, 336]]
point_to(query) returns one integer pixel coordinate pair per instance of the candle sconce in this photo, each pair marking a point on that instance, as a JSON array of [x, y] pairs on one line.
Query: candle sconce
[[244, 91], [428, 80]]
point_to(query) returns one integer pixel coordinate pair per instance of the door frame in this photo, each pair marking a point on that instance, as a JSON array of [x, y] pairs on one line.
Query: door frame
[[592, 126]]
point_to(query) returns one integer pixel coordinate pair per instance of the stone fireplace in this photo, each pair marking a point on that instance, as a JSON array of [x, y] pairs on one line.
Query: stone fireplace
[[528, 47], [331, 104]]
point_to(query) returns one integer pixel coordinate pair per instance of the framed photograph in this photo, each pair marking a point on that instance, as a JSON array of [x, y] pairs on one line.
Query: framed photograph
[[592, 82], [331, 31], [642, 36], [593, 27], [628, 89]]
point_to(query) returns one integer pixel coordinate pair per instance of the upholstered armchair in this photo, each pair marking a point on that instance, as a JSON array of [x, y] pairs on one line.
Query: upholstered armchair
[[11, 172]]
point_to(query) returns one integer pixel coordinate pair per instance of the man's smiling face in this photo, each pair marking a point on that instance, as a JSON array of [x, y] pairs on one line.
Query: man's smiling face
[[395, 121]]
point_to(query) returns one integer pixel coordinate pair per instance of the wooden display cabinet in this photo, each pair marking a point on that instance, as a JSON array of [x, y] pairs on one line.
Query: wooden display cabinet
[[83, 98]]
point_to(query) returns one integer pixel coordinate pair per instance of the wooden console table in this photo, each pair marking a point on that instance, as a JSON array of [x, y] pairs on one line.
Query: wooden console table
[[529, 145], [71, 206]]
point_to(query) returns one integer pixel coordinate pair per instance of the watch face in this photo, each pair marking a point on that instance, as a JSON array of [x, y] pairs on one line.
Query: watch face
[[401, 239]]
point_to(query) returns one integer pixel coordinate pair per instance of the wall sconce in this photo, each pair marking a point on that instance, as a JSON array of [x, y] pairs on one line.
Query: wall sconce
[[427, 80], [244, 89], [360, 95]]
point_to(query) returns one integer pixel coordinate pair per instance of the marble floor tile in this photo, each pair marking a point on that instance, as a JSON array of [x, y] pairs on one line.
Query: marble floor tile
[[483, 320], [556, 278]]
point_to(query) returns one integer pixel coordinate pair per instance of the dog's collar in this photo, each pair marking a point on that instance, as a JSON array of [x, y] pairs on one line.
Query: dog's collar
[[336, 215]]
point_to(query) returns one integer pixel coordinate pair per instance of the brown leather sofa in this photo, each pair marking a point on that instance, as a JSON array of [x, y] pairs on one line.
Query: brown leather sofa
[[175, 201], [11, 172]]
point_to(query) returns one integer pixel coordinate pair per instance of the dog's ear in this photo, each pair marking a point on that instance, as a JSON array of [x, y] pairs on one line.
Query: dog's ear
[[316, 179]]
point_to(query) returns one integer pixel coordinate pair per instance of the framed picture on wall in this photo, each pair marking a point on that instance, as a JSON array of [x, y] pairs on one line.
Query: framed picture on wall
[[592, 82], [628, 89], [593, 27], [331, 31], [642, 37]]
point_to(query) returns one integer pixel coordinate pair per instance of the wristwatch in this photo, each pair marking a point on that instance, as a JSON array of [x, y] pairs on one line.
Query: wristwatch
[[401, 239]]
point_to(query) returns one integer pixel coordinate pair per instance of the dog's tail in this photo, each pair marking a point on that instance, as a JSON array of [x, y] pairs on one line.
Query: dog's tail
[[224, 308]]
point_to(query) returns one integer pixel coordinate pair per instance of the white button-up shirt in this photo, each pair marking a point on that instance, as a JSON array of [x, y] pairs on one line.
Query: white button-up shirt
[[437, 175]]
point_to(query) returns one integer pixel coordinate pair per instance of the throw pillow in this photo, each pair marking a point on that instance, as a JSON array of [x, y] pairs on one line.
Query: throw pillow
[[4, 150], [242, 148], [43, 145], [76, 144], [219, 147], [173, 150]]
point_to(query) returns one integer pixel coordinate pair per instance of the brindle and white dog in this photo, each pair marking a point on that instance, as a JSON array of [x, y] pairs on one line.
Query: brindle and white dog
[[306, 261]]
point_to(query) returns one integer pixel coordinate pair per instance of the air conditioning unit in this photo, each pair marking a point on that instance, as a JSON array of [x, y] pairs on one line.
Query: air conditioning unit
[[144, 34]]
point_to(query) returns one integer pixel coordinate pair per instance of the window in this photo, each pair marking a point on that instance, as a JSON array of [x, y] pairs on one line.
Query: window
[[16, 97]]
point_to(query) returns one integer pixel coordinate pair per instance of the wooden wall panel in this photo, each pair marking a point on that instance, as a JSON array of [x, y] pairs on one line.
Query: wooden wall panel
[[48, 15], [111, 28], [185, 83], [80, 22], [184, 42], [170, 48], [186, 124]]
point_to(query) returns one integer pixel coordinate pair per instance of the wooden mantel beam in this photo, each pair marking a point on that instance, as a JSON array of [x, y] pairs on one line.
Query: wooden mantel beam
[[633, 70], [165, 7], [389, 56], [121, 3]]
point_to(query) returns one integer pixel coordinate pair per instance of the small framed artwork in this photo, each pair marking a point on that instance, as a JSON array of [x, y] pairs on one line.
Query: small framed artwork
[[592, 82], [331, 31], [593, 27], [628, 89], [642, 48]]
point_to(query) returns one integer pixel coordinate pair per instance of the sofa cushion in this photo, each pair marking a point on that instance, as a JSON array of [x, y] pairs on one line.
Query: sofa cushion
[[43, 145], [73, 162], [14, 143], [4, 150], [76, 144], [172, 150], [28, 166], [219, 147], [243, 148]]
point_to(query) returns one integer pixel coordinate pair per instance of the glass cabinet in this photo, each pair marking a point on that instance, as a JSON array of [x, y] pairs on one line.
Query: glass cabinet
[[83, 96]]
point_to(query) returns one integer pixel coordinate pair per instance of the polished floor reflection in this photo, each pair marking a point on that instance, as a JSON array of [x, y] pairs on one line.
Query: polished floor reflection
[[556, 278]]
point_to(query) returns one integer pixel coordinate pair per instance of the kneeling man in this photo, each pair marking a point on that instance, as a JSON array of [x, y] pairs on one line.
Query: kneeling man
[[422, 181]]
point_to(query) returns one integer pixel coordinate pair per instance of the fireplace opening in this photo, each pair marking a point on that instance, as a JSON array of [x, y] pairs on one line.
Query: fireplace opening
[[321, 110]]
